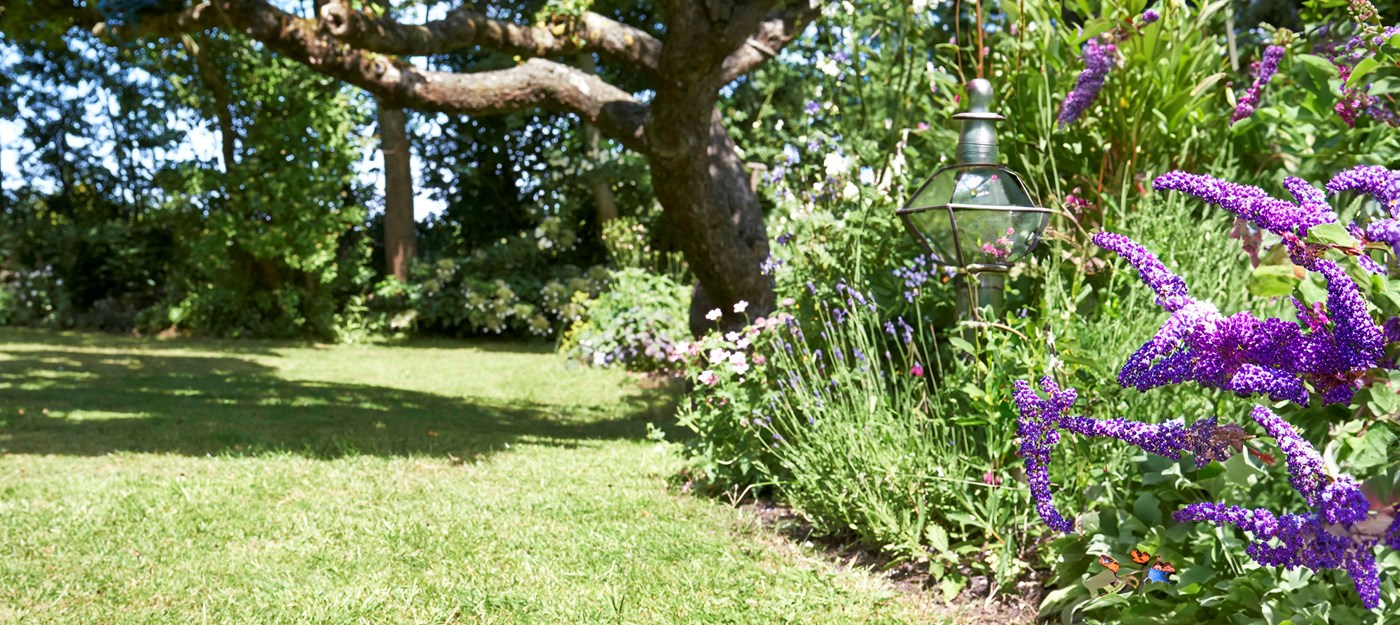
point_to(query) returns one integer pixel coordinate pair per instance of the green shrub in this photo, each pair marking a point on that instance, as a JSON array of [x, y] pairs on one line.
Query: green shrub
[[638, 323]]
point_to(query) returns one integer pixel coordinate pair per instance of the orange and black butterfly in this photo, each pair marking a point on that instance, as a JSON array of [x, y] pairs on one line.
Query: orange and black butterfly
[[1109, 563], [1140, 558]]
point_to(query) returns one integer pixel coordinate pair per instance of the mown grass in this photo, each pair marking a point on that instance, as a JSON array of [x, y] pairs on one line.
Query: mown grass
[[190, 482]]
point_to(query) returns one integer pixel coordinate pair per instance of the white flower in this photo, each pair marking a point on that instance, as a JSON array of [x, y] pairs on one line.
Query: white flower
[[707, 377], [788, 301], [731, 336], [835, 164], [850, 191], [738, 363], [920, 6], [741, 306], [742, 343], [714, 315], [599, 359], [717, 356]]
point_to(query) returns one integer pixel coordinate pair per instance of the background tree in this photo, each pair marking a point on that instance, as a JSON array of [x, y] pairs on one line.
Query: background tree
[[684, 57]]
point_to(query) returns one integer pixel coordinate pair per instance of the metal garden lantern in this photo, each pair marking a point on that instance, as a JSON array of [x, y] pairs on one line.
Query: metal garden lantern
[[976, 215]]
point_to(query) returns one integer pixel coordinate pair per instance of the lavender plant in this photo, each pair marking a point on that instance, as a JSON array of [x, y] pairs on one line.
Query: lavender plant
[[1334, 349], [1263, 71], [1099, 55]]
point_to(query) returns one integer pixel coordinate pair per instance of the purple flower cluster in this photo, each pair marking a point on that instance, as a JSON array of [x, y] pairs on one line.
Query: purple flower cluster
[[1294, 540], [1263, 71], [1038, 433], [1373, 180], [1253, 204], [1317, 540], [1247, 355], [1041, 419], [1326, 352], [1338, 500], [1098, 60], [1357, 100], [1149, 16], [1242, 353]]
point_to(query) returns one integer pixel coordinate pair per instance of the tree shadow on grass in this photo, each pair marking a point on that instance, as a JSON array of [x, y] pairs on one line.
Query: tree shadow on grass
[[84, 403]]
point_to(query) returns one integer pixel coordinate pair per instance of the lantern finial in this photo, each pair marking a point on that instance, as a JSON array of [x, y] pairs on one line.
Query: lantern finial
[[977, 144]]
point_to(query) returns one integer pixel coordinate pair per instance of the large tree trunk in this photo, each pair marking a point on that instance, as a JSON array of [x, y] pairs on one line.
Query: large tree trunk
[[400, 230], [696, 171], [706, 192]]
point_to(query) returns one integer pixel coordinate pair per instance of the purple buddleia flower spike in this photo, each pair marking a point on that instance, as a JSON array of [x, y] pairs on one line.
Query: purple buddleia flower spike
[[1249, 203], [1295, 540], [1303, 192], [1170, 288], [1251, 378], [1168, 339], [1376, 181], [1338, 499], [1263, 71], [1036, 428], [1361, 341], [1385, 231], [1098, 60]]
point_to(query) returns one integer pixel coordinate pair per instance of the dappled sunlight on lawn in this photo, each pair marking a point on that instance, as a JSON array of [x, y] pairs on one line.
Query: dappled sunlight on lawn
[[81, 398]]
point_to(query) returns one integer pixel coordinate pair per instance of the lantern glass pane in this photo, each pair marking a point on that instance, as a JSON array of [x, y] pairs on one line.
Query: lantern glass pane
[[994, 236], [934, 223], [981, 201]]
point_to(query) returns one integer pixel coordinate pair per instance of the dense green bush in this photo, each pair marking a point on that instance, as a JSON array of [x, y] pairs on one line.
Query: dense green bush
[[639, 322]]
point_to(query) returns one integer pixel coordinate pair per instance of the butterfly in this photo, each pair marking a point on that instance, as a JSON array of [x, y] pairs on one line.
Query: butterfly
[[1140, 558], [1109, 563], [1161, 572]]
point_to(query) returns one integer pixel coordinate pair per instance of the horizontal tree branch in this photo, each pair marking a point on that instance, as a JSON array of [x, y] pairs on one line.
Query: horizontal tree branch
[[634, 48], [774, 34], [537, 83]]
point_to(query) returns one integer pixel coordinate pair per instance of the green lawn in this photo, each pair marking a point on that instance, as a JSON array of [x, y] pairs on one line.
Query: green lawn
[[247, 482]]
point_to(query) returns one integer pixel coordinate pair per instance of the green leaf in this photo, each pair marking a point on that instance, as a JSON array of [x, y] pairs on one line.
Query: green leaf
[[1359, 72], [1272, 281], [1331, 234], [1148, 509], [937, 538], [1206, 83], [963, 345]]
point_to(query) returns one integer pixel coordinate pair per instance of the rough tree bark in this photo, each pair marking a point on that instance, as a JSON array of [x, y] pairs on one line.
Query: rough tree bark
[[400, 229], [698, 177]]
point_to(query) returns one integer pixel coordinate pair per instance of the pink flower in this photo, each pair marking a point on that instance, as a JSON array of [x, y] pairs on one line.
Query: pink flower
[[990, 478], [759, 360], [736, 360], [708, 377], [917, 370]]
